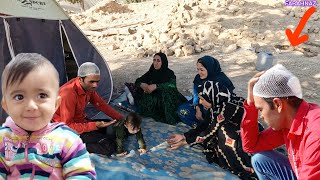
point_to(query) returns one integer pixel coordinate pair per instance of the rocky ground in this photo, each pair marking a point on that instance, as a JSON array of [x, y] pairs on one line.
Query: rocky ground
[[233, 31]]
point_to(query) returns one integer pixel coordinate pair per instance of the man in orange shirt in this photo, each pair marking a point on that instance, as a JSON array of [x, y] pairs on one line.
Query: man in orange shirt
[[75, 95], [277, 96]]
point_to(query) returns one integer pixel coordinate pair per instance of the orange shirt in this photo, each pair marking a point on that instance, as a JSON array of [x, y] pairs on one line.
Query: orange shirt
[[73, 102]]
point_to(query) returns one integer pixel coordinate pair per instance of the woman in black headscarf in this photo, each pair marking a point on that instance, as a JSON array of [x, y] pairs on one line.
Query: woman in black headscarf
[[219, 132], [157, 95], [208, 68]]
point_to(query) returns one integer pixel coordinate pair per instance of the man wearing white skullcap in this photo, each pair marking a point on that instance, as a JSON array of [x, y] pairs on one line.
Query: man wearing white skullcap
[[88, 68], [276, 94], [75, 95]]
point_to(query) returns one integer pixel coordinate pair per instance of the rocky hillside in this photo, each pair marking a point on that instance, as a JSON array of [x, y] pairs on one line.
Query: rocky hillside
[[183, 28], [231, 30]]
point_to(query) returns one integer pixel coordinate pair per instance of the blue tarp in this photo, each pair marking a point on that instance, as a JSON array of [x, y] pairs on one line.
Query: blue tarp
[[184, 163]]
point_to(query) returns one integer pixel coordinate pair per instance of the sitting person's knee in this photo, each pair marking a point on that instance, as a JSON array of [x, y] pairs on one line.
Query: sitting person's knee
[[260, 158], [256, 158]]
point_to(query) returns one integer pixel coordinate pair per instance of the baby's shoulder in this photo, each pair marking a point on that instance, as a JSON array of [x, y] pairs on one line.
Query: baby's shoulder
[[65, 132], [4, 129]]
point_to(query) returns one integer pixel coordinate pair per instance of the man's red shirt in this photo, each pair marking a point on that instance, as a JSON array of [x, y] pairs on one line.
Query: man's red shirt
[[302, 139], [73, 102]]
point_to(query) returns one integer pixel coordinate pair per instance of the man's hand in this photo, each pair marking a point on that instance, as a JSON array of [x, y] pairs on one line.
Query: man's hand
[[102, 124], [142, 151], [251, 83], [176, 141], [198, 113]]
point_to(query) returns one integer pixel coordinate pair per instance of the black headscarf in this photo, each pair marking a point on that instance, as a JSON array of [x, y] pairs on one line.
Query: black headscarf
[[215, 74], [162, 75]]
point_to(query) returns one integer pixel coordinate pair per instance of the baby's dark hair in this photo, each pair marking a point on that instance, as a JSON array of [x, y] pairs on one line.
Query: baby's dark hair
[[134, 119], [21, 65]]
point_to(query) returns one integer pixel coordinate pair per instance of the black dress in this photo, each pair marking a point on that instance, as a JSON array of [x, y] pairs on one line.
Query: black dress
[[163, 102], [221, 131]]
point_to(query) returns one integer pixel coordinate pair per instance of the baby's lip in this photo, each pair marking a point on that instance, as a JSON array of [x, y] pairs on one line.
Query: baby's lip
[[31, 117]]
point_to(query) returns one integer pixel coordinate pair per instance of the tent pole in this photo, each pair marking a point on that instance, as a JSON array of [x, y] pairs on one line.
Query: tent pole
[[9, 42]]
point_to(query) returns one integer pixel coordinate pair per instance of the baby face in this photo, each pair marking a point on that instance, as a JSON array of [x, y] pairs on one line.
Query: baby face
[[131, 129], [32, 103]]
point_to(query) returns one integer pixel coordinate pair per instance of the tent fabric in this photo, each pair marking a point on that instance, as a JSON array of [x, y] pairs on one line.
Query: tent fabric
[[76, 7], [41, 9], [4, 50], [28, 35], [83, 51], [20, 33]]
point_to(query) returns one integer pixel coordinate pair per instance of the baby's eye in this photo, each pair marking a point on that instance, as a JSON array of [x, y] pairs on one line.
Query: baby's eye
[[43, 95], [18, 97]]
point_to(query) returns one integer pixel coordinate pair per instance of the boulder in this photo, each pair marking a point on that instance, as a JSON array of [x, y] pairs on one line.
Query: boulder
[[188, 50], [178, 52], [230, 49]]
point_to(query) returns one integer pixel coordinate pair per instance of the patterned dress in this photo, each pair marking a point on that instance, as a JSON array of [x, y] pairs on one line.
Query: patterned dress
[[221, 131], [187, 111]]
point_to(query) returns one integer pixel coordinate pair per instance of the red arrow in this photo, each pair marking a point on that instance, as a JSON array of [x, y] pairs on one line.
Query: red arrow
[[294, 37]]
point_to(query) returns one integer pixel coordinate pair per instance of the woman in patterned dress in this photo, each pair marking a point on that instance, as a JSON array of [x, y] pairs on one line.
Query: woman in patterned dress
[[191, 112], [219, 133]]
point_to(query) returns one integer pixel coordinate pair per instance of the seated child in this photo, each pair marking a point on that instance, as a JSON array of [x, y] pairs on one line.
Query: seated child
[[30, 146], [129, 125]]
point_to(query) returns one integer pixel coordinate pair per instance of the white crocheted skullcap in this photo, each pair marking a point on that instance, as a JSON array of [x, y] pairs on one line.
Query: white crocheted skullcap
[[277, 82], [88, 68]]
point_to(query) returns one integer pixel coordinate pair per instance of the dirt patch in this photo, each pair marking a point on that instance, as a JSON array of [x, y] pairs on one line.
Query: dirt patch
[[114, 7]]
